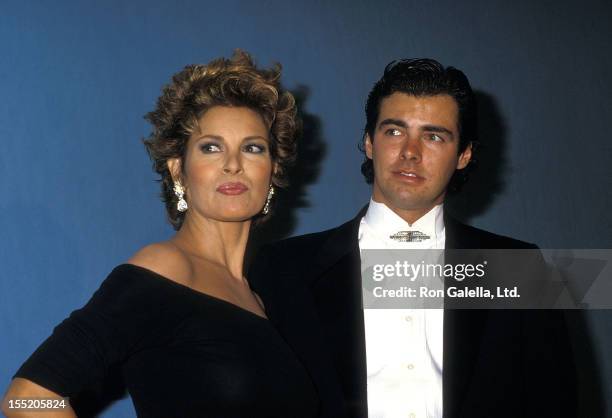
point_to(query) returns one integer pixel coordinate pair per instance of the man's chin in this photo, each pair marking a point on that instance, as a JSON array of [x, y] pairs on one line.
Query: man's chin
[[410, 205], [407, 200]]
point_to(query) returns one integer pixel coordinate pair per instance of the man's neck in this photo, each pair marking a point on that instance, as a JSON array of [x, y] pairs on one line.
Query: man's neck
[[409, 215]]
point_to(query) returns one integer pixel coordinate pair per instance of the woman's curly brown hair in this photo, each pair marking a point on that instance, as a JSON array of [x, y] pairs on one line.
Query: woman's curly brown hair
[[221, 82]]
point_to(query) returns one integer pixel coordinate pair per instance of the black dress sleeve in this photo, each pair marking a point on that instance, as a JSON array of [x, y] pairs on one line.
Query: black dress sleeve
[[104, 332]]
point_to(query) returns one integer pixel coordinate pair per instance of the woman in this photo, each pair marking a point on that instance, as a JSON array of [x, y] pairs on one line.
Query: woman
[[179, 317]]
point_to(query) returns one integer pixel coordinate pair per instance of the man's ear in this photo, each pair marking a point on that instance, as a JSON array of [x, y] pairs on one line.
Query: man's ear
[[174, 166], [368, 146], [465, 157]]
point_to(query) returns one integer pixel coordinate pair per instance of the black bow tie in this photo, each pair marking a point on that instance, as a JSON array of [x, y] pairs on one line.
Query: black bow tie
[[409, 236]]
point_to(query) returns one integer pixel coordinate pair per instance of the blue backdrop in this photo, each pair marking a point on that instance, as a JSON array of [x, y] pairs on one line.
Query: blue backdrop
[[76, 77]]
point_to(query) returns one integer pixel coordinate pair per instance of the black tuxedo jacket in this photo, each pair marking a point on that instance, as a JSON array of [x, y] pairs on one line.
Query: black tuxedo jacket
[[496, 363]]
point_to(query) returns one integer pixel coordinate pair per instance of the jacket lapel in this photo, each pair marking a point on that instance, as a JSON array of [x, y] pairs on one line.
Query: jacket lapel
[[342, 241], [337, 296], [462, 332]]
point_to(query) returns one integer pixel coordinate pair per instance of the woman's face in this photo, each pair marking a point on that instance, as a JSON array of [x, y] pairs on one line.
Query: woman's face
[[227, 165]]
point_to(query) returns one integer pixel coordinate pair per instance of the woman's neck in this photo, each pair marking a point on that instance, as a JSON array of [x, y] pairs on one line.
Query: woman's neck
[[219, 242]]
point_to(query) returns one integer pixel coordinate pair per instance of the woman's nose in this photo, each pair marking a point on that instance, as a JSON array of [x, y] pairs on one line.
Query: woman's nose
[[233, 163]]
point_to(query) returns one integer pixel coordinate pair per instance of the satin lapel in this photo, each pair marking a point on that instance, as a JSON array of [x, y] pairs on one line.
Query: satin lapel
[[343, 241], [462, 333], [337, 297]]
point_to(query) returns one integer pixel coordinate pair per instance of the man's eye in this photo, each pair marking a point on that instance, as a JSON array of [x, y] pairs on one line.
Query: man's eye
[[435, 137], [393, 132], [210, 147], [254, 148]]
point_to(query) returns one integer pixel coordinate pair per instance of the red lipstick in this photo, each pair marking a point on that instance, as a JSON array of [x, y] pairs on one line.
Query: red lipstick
[[232, 188]]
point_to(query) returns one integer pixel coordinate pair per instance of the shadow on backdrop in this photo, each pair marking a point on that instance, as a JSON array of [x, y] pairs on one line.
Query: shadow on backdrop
[[311, 152], [489, 167], [485, 184]]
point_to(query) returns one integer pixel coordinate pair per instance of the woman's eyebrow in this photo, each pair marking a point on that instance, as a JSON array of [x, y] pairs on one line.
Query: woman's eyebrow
[[251, 137], [210, 136]]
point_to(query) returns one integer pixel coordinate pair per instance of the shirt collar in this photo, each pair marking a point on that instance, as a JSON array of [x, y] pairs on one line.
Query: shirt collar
[[385, 222]]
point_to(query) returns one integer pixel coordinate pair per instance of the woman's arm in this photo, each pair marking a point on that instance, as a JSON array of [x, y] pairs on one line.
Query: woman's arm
[[82, 348], [21, 389]]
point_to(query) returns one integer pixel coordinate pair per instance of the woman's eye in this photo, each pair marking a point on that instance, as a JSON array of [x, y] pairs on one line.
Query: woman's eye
[[255, 149], [208, 148], [393, 132]]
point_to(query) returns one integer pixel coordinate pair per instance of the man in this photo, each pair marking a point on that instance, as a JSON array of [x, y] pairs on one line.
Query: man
[[420, 127]]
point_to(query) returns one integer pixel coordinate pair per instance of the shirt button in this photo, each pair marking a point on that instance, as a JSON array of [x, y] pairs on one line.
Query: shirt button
[[410, 366], [408, 318]]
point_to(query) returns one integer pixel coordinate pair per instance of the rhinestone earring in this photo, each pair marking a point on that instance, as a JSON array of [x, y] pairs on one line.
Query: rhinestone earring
[[266, 208], [179, 191]]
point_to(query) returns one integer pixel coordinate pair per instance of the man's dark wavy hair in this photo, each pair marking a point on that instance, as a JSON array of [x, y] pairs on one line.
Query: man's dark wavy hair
[[425, 77]]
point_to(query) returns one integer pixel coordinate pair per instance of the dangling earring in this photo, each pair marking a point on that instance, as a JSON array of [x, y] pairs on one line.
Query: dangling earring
[[266, 208], [179, 191]]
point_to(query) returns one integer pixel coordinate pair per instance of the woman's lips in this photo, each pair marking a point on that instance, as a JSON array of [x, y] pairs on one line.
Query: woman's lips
[[232, 188]]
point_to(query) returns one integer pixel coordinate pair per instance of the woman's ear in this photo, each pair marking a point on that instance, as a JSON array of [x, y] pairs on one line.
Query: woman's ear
[[174, 166], [275, 168]]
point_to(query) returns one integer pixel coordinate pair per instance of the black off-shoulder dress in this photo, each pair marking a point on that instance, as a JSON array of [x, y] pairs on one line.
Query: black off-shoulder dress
[[183, 353]]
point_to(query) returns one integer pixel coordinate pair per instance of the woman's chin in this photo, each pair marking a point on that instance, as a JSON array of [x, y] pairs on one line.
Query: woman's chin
[[236, 214]]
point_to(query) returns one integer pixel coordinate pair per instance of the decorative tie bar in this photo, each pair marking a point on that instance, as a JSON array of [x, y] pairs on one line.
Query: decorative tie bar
[[409, 236]]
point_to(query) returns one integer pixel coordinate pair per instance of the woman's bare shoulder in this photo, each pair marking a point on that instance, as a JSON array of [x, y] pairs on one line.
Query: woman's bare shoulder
[[166, 259]]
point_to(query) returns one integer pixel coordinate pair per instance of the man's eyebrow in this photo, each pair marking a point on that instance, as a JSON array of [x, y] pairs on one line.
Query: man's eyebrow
[[396, 122], [427, 128], [438, 129]]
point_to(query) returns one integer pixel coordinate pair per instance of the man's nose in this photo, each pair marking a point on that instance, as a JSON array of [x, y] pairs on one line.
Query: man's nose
[[411, 149]]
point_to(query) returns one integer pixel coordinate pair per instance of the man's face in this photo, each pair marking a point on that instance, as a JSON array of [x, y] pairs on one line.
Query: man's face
[[415, 152]]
